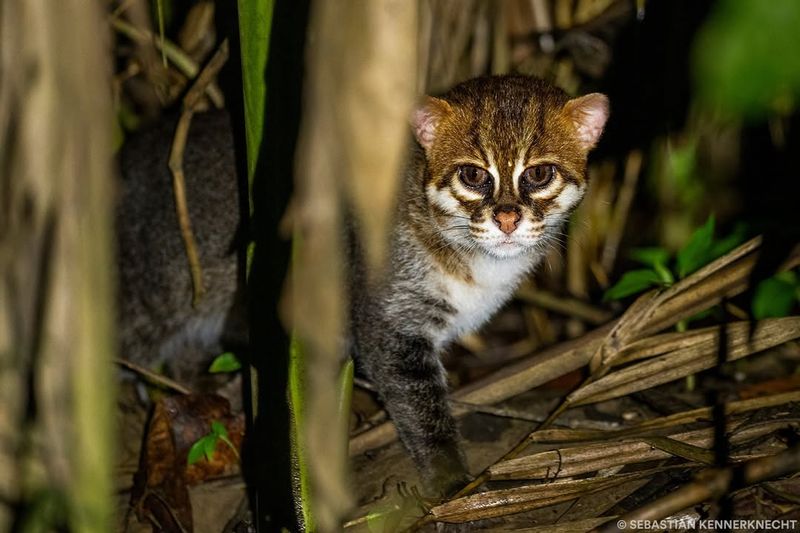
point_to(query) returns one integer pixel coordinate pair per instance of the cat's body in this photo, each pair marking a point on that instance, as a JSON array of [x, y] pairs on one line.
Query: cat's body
[[157, 323], [498, 165]]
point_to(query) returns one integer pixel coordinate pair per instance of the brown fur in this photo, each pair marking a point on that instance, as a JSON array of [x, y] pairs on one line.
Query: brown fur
[[495, 120], [526, 115]]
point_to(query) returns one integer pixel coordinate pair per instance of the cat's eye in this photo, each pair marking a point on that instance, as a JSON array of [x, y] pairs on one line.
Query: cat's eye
[[474, 177], [538, 176]]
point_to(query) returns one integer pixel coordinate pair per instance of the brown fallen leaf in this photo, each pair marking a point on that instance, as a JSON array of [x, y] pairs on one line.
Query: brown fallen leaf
[[160, 492]]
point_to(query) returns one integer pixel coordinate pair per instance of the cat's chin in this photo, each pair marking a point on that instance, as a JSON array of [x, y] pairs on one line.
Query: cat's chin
[[504, 249]]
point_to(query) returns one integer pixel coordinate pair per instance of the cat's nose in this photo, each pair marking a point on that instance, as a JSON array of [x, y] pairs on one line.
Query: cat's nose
[[507, 218]]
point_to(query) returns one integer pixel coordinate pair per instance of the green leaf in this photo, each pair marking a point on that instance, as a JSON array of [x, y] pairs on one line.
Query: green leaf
[[664, 274], [650, 256], [745, 58], [683, 165], [633, 282], [197, 451], [255, 24], [160, 17], [697, 251], [724, 245], [775, 296], [209, 446], [657, 259], [218, 429], [251, 250], [224, 363]]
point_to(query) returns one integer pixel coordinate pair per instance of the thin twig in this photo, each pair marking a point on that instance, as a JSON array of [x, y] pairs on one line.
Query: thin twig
[[633, 167], [154, 377], [364, 384], [207, 75], [190, 102], [502, 412], [564, 305], [185, 64]]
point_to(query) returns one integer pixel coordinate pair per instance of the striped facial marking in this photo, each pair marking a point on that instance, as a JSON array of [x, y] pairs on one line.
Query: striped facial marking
[[506, 163]]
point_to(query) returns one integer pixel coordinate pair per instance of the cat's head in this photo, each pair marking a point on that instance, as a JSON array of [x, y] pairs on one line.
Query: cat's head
[[506, 160]]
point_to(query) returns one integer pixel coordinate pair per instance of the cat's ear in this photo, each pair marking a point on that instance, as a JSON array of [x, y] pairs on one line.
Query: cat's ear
[[589, 115], [426, 118]]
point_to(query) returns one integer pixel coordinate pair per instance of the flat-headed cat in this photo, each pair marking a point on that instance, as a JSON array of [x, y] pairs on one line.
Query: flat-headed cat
[[497, 166]]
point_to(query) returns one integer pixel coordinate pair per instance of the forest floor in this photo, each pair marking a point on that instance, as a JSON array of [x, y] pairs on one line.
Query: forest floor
[[634, 470]]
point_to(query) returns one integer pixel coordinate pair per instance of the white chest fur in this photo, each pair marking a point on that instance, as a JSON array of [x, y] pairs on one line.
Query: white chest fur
[[493, 282]]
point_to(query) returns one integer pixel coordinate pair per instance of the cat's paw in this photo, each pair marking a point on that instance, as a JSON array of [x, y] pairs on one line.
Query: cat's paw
[[447, 473]]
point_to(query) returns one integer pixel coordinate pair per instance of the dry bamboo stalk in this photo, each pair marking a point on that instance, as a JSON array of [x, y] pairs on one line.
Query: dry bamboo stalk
[[185, 64], [714, 483], [563, 14], [502, 502], [509, 501], [537, 370], [659, 344], [564, 358], [616, 229], [689, 360], [501, 53], [568, 462], [726, 276], [481, 45], [365, 69], [455, 29], [568, 306], [56, 267], [702, 414], [424, 44]]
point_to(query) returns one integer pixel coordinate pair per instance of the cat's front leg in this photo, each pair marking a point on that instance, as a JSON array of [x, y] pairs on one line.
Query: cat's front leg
[[412, 383]]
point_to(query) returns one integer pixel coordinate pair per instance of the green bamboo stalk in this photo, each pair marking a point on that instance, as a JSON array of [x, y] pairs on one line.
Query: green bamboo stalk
[[346, 399], [255, 19], [297, 405], [255, 23]]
